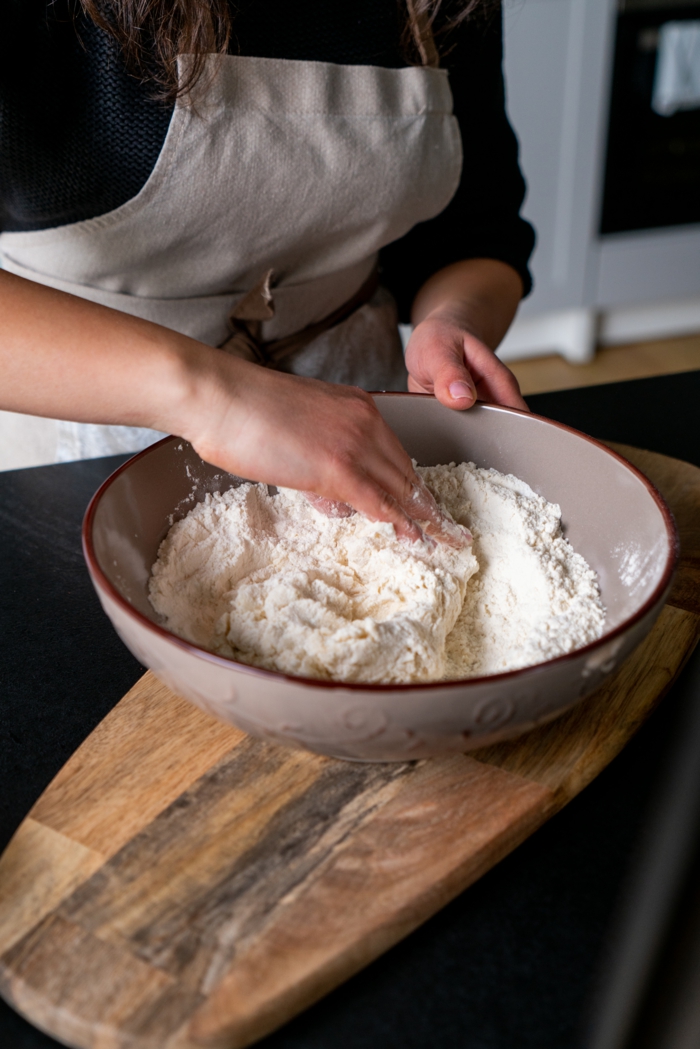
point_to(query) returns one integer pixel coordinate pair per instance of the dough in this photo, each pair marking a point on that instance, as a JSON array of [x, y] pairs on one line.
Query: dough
[[270, 581]]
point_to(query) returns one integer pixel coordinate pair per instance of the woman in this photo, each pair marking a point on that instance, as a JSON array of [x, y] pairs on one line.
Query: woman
[[249, 198]]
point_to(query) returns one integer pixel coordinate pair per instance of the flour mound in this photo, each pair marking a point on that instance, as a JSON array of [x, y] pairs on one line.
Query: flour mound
[[534, 597], [270, 581]]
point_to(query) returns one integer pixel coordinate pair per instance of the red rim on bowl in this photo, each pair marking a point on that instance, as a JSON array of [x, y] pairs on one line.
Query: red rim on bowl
[[664, 582]]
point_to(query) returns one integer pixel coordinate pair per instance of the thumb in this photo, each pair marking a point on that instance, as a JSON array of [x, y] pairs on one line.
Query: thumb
[[452, 383]]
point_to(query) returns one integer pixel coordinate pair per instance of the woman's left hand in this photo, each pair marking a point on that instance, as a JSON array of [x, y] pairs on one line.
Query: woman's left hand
[[445, 359], [459, 313]]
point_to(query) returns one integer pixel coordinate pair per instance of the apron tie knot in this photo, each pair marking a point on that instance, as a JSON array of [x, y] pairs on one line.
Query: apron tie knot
[[245, 322], [256, 306]]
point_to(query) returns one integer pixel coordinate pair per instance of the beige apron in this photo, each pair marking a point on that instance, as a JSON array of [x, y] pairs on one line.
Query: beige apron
[[303, 168]]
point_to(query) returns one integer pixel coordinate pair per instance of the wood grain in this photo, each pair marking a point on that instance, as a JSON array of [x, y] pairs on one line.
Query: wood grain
[[610, 364], [52, 864], [182, 885], [139, 746], [375, 888]]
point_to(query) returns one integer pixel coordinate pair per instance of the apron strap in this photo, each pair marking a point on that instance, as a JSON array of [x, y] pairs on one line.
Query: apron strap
[[246, 323], [257, 305], [420, 24]]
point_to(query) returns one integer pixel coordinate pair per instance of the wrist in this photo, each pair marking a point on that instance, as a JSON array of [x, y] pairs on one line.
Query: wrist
[[190, 381], [479, 296], [207, 395], [456, 317], [212, 395]]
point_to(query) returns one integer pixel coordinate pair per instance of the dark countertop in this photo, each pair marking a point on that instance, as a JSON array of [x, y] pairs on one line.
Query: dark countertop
[[511, 963]]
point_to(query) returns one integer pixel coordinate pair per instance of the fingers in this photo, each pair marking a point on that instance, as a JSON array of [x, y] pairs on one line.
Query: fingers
[[403, 500], [455, 366], [435, 522], [504, 389], [376, 503], [437, 365], [382, 491], [495, 382], [452, 383], [328, 507], [418, 518], [327, 441], [377, 480]]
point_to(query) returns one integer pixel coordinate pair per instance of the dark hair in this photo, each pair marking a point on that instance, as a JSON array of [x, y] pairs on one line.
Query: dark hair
[[152, 33]]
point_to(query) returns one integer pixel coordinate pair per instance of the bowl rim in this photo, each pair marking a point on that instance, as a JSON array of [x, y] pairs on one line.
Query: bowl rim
[[100, 580]]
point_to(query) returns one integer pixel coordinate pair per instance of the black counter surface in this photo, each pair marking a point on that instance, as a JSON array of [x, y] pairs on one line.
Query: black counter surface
[[509, 964]]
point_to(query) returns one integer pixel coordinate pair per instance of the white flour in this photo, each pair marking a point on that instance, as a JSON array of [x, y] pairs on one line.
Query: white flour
[[534, 598], [270, 581]]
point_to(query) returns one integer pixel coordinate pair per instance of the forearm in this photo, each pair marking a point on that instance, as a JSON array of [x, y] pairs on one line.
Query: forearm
[[481, 295], [65, 357]]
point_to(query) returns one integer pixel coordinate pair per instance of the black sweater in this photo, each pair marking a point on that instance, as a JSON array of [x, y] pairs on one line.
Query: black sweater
[[79, 136]]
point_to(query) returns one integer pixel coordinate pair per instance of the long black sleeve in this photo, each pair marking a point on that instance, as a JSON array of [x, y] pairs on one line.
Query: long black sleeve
[[79, 136], [482, 220]]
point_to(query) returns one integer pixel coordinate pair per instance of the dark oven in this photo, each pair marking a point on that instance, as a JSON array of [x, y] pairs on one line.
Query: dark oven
[[652, 171]]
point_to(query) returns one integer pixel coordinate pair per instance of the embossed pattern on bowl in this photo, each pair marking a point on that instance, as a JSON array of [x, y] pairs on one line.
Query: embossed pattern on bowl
[[611, 513]]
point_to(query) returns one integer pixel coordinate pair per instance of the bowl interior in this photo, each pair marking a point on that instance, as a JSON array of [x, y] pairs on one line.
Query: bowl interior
[[609, 513]]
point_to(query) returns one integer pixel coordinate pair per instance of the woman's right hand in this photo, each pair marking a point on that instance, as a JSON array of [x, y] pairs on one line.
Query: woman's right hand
[[324, 439], [68, 358]]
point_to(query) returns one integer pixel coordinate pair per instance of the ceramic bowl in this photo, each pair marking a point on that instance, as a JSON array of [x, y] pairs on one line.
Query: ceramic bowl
[[611, 513]]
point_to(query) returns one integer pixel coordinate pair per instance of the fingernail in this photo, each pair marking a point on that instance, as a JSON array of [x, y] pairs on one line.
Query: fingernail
[[461, 389]]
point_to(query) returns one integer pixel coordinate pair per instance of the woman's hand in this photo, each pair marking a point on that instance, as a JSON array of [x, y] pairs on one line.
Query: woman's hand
[[326, 440], [460, 316], [445, 359], [69, 358]]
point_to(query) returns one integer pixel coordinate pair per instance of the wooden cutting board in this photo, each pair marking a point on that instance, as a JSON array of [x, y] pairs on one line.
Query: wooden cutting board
[[182, 885]]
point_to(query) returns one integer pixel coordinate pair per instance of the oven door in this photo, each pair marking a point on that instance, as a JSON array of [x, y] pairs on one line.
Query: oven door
[[652, 172]]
